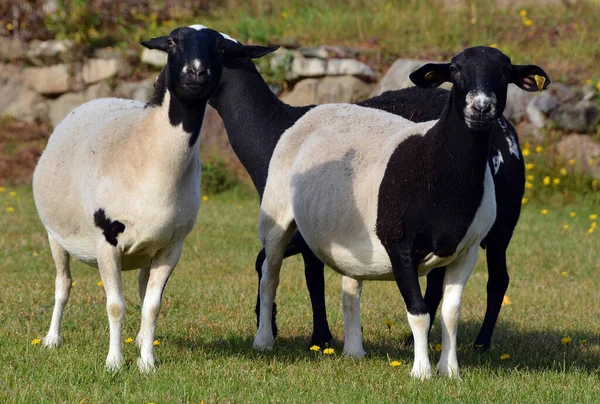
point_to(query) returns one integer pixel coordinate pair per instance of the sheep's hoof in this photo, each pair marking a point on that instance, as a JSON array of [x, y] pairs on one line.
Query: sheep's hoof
[[355, 353], [146, 367], [52, 341], [420, 372], [114, 363], [446, 370], [263, 344]]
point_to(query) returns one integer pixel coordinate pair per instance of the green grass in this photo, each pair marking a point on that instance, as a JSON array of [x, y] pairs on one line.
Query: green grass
[[207, 323]]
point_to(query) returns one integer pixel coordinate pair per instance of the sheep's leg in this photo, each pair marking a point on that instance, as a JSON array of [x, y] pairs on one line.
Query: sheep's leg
[[456, 277], [161, 268], [275, 237], [405, 269], [142, 283], [109, 264], [433, 296], [351, 291], [496, 288], [61, 291]]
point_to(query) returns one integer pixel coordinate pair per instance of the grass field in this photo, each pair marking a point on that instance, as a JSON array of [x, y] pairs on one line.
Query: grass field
[[207, 323]]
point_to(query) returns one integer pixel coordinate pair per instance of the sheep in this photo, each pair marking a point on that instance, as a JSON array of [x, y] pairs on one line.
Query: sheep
[[118, 185], [392, 207], [255, 119]]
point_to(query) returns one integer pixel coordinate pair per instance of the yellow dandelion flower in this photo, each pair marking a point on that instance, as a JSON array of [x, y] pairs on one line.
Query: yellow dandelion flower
[[572, 162], [506, 301], [438, 347], [99, 283], [72, 284], [591, 230], [156, 342], [573, 214], [539, 149], [504, 357], [10, 209], [564, 273], [593, 216], [2, 189], [544, 211], [395, 364], [583, 341], [523, 13], [547, 180], [566, 227], [9, 26], [590, 163], [493, 45], [284, 15], [594, 183], [598, 85], [328, 351], [588, 82], [556, 181], [528, 185], [12, 193], [563, 171], [35, 341], [526, 152], [389, 323], [530, 177], [528, 22], [204, 198], [529, 166], [315, 348], [566, 340], [129, 340], [593, 225], [524, 201]]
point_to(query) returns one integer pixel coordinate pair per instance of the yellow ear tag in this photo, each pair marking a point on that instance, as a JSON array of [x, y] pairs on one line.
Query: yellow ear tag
[[540, 81], [429, 76]]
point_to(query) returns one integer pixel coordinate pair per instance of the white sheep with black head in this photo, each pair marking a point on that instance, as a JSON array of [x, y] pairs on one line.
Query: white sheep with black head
[[118, 185], [393, 206]]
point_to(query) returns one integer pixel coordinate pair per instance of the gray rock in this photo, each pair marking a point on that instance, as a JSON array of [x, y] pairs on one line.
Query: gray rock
[[49, 80], [584, 150], [18, 100], [12, 48], [327, 90], [539, 107], [581, 117], [64, 104], [154, 57], [516, 103], [136, 90], [396, 78], [320, 52], [98, 90], [302, 67], [350, 67], [95, 70], [47, 52]]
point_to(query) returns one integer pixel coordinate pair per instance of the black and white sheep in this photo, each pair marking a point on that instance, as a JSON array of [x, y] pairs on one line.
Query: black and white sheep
[[255, 119], [118, 185], [379, 197]]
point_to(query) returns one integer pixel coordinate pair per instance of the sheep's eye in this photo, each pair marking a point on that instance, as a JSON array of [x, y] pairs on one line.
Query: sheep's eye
[[453, 69], [171, 42]]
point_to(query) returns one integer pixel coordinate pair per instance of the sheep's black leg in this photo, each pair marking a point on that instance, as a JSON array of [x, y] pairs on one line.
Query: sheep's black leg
[[405, 269], [433, 296], [315, 281], [496, 288]]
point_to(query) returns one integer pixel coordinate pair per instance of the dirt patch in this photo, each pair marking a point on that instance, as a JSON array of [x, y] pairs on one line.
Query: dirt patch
[[21, 145]]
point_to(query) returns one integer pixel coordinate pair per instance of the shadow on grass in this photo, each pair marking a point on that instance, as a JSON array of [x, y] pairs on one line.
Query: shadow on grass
[[534, 350]]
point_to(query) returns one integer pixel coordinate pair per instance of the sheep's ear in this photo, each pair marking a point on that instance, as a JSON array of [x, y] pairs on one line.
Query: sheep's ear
[[431, 75], [238, 51], [161, 43], [529, 77]]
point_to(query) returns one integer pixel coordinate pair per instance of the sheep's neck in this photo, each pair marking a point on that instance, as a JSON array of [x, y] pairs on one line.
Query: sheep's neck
[[253, 116]]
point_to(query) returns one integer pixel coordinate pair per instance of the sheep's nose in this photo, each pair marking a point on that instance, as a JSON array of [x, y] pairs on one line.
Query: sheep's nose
[[482, 105], [197, 72]]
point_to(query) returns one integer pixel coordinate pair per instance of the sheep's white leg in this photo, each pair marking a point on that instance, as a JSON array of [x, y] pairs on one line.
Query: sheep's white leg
[[109, 265], [351, 291], [61, 291], [275, 237], [456, 277], [162, 267], [142, 283]]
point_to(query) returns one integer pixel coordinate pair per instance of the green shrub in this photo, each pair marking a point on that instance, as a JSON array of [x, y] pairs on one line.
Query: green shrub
[[217, 177]]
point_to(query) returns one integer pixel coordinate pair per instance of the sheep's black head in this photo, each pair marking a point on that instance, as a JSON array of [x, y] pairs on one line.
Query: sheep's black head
[[480, 77], [196, 56]]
